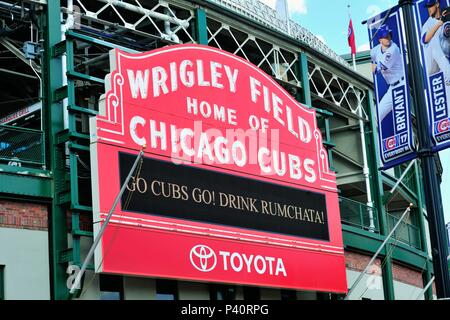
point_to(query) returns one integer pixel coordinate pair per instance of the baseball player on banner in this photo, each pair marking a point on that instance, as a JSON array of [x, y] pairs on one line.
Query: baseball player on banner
[[388, 62], [435, 41], [434, 29], [391, 88]]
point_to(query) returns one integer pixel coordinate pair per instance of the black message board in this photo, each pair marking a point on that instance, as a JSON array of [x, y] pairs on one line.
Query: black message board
[[166, 189]]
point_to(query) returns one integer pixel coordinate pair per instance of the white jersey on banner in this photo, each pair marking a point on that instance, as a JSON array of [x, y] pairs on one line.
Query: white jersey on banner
[[389, 63], [435, 58]]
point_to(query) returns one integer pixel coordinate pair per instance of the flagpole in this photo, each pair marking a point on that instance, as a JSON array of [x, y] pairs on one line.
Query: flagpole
[[354, 61], [362, 132]]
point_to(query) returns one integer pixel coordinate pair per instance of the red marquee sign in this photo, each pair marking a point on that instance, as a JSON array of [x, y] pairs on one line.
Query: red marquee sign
[[234, 186]]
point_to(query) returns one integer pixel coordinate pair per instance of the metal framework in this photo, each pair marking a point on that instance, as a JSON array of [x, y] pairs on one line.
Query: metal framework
[[257, 11], [155, 19], [338, 91], [279, 62]]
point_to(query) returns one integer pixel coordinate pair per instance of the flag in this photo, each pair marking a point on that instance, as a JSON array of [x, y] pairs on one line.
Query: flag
[[351, 37]]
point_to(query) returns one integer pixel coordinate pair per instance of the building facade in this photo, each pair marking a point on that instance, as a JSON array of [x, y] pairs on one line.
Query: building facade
[[54, 59]]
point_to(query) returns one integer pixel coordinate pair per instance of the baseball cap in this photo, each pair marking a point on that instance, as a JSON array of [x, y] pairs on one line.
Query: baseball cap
[[430, 3], [383, 31]]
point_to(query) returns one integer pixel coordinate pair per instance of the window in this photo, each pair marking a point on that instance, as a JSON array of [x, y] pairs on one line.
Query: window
[[252, 293], [111, 287], [222, 292], [2, 283], [166, 290]]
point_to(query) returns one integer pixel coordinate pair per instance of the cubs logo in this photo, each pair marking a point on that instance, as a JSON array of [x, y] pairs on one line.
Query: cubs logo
[[446, 30], [442, 126], [388, 57], [391, 143]]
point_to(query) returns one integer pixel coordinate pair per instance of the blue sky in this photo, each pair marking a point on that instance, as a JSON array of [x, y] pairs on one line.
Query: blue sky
[[328, 19]]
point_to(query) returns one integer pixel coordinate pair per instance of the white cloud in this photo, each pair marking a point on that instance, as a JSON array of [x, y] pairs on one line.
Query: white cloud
[[364, 47], [295, 6], [321, 38], [373, 10]]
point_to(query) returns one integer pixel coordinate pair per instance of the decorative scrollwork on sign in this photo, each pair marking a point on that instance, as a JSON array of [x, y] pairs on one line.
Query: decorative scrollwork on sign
[[324, 169], [112, 103]]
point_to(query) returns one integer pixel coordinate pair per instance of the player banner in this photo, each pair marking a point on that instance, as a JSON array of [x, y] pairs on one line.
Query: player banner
[[433, 29], [391, 88]]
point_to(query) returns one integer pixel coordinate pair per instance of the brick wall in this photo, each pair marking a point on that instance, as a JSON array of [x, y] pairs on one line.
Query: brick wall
[[407, 275], [358, 262], [23, 215]]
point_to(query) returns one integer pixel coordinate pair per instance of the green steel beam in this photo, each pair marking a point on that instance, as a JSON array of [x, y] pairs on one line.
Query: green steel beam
[[377, 192], [74, 138], [304, 79], [53, 117], [77, 109], [65, 256], [79, 147], [201, 31], [81, 208], [60, 94], [330, 145], [73, 179], [76, 245], [82, 233], [66, 136], [82, 76], [25, 185], [25, 171], [59, 49], [301, 70], [356, 239], [84, 38], [70, 88], [420, 204], [406, 254]]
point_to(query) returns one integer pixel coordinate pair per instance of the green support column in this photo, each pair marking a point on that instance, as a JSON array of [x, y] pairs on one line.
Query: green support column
[[304, 79], [330, 144], [54, 123], [423, 239], [304, 96], [377, 191], [201, 26]]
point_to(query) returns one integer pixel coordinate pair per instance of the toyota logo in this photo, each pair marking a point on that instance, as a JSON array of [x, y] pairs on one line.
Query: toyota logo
[[203, 258]]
